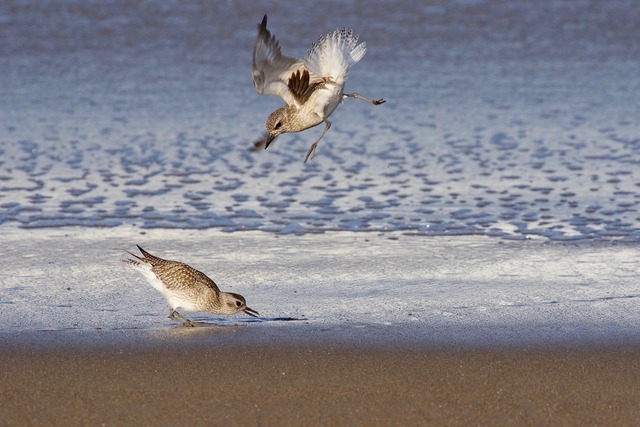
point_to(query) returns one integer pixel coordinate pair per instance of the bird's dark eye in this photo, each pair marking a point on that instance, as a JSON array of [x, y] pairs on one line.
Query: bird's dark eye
[[278, 125], [238, 304]]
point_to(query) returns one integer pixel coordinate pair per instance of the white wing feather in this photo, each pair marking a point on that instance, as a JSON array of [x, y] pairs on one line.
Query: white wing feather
[[332, 55], [272, 69]]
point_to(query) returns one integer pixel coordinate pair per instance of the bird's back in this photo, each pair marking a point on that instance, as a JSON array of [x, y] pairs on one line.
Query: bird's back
[[180, 277], [173, 276]]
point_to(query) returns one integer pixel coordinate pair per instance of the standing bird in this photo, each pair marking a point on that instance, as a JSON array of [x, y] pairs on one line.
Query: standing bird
[[187, 288], [312, 89]]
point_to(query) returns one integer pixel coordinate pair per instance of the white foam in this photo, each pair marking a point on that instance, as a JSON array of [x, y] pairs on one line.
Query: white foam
[[455, 289]]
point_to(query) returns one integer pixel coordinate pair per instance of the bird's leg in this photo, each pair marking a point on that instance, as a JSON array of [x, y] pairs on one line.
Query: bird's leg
[[358, 96], [312, 149], [174, 315]]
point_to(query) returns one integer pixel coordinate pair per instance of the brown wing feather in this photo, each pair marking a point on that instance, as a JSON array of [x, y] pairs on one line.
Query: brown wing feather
[[175, 274], [300, 87]]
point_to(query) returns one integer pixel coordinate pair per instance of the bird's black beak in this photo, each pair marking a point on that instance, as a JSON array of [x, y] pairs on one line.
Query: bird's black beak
[[263, 143], [250, 312]]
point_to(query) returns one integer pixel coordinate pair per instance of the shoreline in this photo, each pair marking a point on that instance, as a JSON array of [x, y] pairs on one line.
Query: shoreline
[[265, 332]]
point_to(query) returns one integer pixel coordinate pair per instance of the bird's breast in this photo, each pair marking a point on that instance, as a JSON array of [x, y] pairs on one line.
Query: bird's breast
[[323, 101]]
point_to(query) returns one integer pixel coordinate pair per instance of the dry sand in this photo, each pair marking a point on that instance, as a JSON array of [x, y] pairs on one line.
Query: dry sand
[[239, 379]]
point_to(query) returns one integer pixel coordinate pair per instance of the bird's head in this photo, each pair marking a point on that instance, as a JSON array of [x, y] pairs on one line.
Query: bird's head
[[235, 303], [276, 125]]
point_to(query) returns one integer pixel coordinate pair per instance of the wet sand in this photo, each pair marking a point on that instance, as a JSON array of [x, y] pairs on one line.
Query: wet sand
[[239, 379]]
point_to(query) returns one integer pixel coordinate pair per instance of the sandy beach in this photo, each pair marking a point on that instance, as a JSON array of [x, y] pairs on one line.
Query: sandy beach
[[242, 377]]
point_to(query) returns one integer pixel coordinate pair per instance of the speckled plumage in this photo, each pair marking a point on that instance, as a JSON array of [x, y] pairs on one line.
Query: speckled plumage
[[312, 89], [185, 287]]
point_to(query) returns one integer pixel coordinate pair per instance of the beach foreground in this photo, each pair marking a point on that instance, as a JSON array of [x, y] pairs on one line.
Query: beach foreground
[[355, 329], [236, 377]]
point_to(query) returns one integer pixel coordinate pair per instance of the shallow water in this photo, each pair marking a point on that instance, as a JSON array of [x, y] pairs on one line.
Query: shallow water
[[502, 119]]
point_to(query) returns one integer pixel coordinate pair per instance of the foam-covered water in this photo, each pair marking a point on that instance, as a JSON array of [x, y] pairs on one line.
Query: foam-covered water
[[442, 290], [502, 119]]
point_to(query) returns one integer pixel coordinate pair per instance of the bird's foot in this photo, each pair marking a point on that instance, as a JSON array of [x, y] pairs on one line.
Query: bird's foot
[[311, 152], [174, 315], [362, 98]]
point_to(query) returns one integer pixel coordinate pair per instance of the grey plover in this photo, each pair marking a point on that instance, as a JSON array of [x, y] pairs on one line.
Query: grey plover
[[187, 288], [311, 88]]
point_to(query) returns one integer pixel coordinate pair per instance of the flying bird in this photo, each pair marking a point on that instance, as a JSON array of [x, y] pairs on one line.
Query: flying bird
[[311, 88]]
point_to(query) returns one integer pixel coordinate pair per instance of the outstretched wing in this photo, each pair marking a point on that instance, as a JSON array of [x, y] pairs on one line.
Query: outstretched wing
[[271, 69], [332, 55]]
